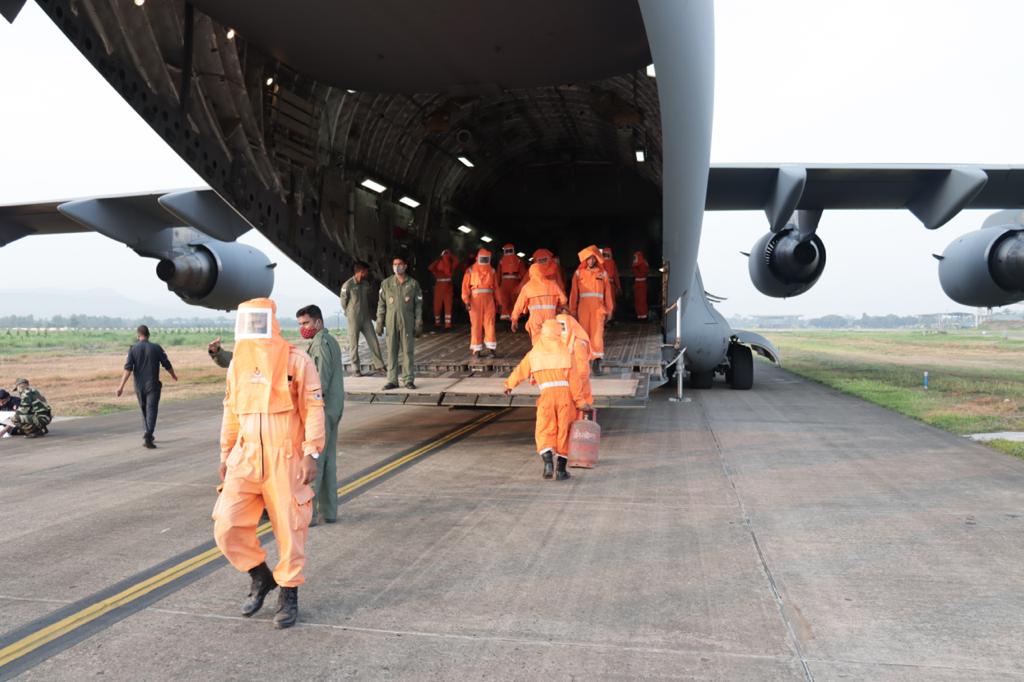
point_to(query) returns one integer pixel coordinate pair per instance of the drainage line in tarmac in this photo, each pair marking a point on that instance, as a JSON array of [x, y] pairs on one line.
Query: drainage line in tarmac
[[45, 637]]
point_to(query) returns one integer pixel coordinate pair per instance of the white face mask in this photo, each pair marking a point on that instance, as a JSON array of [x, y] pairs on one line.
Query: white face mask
[[254, 323], [399, 269]]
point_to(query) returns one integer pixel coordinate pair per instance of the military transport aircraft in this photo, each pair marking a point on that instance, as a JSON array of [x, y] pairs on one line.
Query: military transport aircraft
[[353, 130]]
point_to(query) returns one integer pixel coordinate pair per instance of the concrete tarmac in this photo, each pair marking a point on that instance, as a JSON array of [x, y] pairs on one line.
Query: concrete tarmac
[[788, 532]]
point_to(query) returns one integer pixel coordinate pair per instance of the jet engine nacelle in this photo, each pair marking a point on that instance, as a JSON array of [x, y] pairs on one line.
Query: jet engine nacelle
[[217, 274], [782, 264], [985, 268]]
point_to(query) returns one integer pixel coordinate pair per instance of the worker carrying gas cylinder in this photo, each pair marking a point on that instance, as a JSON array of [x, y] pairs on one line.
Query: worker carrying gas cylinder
[[511, 271], [271, 435], [479, 287], [575, 338], [540, 296], [550, 366], [640, 271], [592, 301], [443, 270]]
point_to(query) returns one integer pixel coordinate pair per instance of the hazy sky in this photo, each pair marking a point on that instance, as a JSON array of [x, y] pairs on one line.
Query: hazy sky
[[824, 82]]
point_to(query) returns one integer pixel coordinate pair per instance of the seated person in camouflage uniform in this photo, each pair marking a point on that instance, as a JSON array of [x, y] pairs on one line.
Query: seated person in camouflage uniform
[[33, 415]]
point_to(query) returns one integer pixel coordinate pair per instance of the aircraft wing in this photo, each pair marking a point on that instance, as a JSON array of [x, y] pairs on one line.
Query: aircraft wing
[[129, 218], [933, 193]]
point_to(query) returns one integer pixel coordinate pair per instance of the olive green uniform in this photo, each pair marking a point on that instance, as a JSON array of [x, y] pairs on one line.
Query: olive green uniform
[[326, 354], [400, 311], [34, 414], [355, 301]]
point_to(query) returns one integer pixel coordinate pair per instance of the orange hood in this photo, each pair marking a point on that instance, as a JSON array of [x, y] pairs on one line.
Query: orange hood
[[259, 369], [548, 350], [591, 251], [483, 253]]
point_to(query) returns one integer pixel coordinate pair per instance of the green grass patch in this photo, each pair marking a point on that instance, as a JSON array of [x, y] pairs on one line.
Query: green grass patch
[[976, 381]]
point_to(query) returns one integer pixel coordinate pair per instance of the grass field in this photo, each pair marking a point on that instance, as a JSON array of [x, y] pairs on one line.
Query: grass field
[[976, 381], [78, 371]]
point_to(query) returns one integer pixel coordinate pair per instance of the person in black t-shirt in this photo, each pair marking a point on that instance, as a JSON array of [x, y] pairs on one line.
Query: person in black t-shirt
[[144, 360]]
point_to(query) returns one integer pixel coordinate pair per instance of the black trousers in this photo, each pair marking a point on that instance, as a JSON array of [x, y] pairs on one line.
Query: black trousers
[[149, 403]]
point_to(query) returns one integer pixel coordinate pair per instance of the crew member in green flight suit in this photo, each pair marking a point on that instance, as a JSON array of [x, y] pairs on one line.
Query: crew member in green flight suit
[[400, 312]]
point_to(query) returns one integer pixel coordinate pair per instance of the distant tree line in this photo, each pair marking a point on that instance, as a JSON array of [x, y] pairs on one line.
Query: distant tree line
[[107, 322], [865, 321]]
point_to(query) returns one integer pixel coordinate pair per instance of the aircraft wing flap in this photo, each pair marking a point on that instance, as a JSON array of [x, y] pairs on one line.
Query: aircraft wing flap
[[21, 220], [926, 189], [126, 218]]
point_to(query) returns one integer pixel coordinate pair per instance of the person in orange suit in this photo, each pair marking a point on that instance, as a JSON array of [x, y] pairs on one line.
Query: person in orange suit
[[549, 365], [559, 277], [612, 269], [575, 338], [443, 270], [479, 286], [270, 438], [540, 296], [511, 271], [613, 274], [640, 270], [592, 301]]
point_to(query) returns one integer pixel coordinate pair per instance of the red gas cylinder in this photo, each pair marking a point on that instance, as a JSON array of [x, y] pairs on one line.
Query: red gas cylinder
[[584, 439]]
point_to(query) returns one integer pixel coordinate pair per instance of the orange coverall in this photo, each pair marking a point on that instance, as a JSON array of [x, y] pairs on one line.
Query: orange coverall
[[640, 270], [561, 394], [591, 301], [541, 297], [443, 270], [511, 271], [273, 417], [478, 290], [612, 269], [576, 340]]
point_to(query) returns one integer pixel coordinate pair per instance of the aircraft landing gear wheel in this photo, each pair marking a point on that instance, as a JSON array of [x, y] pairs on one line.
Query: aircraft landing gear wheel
[[701, 379], [740, 374]]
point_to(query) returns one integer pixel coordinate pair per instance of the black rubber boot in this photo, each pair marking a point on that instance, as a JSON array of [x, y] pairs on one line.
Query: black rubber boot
[[287, 608], [262, 583], [548, 464], [560, 473], [596, 370]]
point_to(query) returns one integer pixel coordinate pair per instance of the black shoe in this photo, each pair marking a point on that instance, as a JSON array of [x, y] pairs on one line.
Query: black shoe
[[262, 583], [312, 522], [327, 520], [410, 385], [597, 371], [560, 473], [287, 608], [548, 464], [149, 444], [388, 386]]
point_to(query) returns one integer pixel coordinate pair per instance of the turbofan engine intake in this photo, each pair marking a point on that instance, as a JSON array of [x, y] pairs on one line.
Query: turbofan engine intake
[[782, 264], [984, 268]]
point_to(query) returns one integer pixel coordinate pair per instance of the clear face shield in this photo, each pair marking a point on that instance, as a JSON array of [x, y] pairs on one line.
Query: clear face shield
[[565, 329], [543, 261], [254, 323], [508, 252], [483, 260]]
